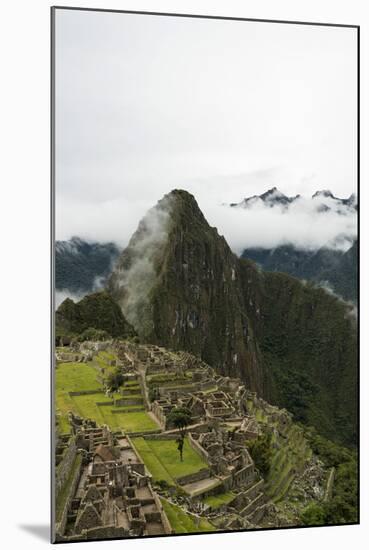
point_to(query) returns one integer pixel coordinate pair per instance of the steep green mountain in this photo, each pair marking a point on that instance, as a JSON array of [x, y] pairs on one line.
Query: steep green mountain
[[308, 342], [329, 266], [95, 311], [180, 285], [80, 265]]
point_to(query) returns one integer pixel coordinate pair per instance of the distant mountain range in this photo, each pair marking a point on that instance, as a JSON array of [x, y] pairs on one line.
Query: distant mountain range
[[320, 201], [333, 268], [81, 267], [333, 265]]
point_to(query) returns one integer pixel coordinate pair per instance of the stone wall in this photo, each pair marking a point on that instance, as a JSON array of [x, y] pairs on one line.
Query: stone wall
[[64, 467], [244, 475], [198, 448], [161, 436], [60, 526], [123, 411], [105, 532], [191, 478], [129, 401], [83, 392], [167, 528], [251, 507]]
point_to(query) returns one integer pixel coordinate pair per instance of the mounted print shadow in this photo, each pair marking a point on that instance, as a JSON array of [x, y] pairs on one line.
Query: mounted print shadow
[[205, 274]]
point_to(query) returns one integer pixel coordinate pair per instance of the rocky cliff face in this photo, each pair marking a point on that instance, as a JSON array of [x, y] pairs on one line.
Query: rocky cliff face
[[180, 285]]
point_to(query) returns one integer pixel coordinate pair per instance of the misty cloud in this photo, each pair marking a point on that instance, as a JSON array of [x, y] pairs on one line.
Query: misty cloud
[[301, 224], [136, 270], [63, 294], [219, 108]]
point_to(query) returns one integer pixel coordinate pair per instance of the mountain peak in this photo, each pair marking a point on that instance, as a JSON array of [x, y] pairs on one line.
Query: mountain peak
[[270, 198], [275, 198], [323, 193]]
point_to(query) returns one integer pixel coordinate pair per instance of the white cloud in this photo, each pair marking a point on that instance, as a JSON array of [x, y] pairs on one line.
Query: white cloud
[[269, 227], [223, 109]]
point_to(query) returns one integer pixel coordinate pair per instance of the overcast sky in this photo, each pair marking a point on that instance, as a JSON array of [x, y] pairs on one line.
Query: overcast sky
[[224, 109]]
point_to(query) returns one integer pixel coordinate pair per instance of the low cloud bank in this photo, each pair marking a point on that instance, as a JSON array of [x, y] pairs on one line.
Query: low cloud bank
[[301, 225], [62, 294], [260, 226], [135, 271]]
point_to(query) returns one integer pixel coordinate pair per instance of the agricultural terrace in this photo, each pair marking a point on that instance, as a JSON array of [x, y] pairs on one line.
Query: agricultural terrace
[[79, 377], [289, 455], [185, 523]]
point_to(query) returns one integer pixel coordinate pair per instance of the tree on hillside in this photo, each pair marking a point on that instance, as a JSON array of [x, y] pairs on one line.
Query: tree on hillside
[[180, 418], [261, 452], [313, 515], [115, 380]]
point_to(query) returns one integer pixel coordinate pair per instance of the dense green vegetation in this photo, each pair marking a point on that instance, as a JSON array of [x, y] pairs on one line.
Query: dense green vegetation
[[343, 277], [342, 506], [96, 311], [309, 347], [179, 418], [115, 379], [261, 452]]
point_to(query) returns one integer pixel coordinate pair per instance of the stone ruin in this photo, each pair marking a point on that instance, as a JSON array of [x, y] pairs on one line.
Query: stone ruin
[[113, 496], [109, 492]]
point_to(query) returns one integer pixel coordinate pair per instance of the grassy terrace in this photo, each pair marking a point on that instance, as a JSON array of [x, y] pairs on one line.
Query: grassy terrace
[[72, 377], [162, 459], [103, 358], [289, 458], [215, 501], [292, 454], [184, 523]]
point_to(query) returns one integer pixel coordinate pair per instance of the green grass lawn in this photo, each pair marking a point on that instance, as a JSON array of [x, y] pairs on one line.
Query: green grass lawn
[[85, 406], [162, 459], [102, 360], [182, 522], [72, 377], [130, 422], [138, 421], [218, 500], [76, 377]]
